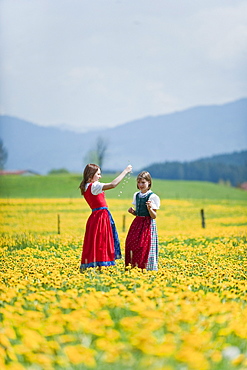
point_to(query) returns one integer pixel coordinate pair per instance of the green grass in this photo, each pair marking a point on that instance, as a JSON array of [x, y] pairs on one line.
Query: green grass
[[66, 186]]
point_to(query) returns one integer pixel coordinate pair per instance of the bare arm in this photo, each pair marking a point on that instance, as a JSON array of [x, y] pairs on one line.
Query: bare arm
[[118, 179], [152, 212]]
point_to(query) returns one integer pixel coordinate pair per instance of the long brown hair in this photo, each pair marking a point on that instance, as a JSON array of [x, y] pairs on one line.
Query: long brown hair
[[88, 173], [146, 176]]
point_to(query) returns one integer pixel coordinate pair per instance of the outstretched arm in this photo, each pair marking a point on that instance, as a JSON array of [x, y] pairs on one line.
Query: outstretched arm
[[118, 179]]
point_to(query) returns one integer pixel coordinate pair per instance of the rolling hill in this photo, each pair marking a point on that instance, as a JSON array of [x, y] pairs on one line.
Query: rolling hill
[[226, 168], [181, 136]]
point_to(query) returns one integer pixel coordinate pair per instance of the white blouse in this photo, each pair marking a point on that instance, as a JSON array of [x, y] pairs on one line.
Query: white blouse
[[155, 200], [96, 187]]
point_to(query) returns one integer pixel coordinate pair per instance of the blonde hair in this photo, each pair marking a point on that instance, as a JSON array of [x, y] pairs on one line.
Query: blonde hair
[[146, 176], [88, 173]]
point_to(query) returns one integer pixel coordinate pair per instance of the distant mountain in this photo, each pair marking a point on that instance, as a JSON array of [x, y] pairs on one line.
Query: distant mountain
[[230, 168], [181, 136]]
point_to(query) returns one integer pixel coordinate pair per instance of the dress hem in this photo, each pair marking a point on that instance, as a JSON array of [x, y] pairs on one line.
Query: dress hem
[[96, 264]]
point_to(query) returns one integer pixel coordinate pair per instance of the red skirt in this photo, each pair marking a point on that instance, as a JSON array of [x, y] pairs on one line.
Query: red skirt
[[138, 242], [98, 245]]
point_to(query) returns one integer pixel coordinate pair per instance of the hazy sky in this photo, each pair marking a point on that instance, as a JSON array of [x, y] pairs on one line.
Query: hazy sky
[[98, 63]]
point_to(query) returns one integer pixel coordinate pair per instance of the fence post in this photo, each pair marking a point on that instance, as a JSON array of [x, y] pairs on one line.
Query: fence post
[[58, 224], [123, 222], [203, 219]]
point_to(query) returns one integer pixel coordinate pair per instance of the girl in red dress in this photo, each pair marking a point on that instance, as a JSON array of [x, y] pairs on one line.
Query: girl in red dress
[[101, 244], [141, 248]]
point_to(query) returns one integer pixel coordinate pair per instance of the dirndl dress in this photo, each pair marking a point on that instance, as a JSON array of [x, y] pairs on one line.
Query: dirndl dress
[[101, 244], [141, 246]]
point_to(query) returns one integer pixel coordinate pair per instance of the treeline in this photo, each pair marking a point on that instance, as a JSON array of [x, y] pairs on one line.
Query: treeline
[[215, 169]]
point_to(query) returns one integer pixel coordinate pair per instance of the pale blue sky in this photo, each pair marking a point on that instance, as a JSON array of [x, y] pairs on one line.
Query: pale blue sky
[[99, 63]]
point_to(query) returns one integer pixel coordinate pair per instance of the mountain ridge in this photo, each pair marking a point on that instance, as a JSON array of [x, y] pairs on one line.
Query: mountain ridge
[[187, 135]]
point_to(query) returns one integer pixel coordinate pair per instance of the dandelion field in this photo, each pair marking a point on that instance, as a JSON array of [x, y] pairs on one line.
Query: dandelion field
[[191, 314]]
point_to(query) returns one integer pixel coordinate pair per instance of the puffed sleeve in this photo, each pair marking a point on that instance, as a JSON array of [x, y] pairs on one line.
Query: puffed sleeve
[[134, 199], [97, 187], [155, 201]]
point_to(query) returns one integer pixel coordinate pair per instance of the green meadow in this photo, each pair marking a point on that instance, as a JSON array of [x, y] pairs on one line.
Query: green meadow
[[189, 315], [67, 186]]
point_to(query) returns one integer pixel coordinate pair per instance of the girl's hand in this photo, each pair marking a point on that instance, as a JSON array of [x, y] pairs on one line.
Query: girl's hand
[[152, 212], [131, 210], [149, 204], [128, 168]]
